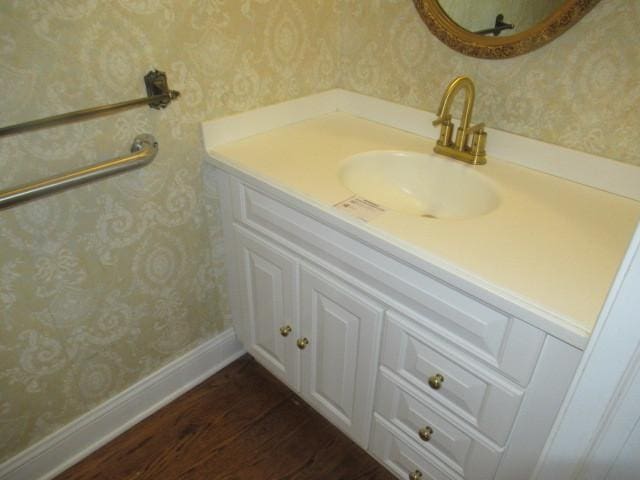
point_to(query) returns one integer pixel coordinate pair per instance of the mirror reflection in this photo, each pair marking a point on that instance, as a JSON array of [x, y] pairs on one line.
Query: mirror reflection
[[498, 17]]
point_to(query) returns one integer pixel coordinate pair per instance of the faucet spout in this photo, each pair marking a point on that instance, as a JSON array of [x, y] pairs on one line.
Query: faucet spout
[[457, 84], [460, 149]]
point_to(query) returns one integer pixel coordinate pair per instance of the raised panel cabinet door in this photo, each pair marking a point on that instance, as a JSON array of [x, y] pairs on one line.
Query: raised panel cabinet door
[[340, 336], [269, 284]]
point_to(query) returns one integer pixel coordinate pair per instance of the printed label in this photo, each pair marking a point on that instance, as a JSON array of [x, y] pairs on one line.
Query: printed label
[[361, 208]]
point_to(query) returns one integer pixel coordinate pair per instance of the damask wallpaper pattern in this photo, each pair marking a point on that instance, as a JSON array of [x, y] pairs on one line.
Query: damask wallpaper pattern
[[103, 284]]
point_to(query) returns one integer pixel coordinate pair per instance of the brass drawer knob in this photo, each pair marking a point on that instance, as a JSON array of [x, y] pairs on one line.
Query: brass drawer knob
[[415, 475], [425, 433], [302, 343], [285, 331], [435, 381]]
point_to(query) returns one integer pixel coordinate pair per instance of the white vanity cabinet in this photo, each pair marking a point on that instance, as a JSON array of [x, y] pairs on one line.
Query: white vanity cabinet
[[436, 382]]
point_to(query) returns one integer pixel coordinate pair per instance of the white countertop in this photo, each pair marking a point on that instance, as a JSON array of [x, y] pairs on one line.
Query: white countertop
[[553, 244]]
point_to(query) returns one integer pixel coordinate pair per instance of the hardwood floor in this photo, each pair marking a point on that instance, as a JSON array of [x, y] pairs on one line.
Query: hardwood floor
[[239, 424]]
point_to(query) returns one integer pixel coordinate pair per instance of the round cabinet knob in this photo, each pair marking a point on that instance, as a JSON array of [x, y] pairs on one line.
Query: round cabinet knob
[[285, 331], [435, 381], [302, 343], [415, 475], [425, 433]]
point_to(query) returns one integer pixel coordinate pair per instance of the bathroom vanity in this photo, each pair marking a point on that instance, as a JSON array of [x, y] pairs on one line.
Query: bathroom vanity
[[443, 346]]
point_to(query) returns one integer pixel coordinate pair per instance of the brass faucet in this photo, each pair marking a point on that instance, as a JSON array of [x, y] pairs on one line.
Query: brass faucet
[[460, 149]]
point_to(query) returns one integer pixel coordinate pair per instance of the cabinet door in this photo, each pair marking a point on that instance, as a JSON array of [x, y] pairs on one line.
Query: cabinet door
[[269, 292], [339, 362]]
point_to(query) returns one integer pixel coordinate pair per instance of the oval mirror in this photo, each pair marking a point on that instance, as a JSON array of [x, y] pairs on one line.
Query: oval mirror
[[500, 28]]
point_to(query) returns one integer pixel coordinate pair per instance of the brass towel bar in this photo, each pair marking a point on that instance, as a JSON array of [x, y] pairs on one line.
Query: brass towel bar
[[143, 151], [158, 96]]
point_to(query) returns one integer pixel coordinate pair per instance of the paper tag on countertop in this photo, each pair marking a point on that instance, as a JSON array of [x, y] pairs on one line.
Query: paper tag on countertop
[[360, 208]]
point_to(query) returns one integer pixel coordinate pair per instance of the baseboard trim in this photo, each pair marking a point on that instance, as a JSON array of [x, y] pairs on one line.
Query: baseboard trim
[[76, 440]]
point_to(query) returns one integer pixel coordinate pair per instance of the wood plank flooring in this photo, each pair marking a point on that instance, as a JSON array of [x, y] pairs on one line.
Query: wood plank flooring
[[241, 423]]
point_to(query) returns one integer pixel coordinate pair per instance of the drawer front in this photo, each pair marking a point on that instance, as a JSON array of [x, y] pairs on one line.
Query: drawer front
[[400, 457], [505, 343], [485, 401], [468, 456]]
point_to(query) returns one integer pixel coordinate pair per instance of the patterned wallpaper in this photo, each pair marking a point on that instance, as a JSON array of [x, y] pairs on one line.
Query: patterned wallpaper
[[581, 91], [103, 284]]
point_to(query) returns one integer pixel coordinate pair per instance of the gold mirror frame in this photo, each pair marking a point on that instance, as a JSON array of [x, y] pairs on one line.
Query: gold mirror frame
[[480, 46]]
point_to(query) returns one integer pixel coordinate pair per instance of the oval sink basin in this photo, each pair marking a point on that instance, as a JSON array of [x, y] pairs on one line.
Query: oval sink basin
[[419, 184]]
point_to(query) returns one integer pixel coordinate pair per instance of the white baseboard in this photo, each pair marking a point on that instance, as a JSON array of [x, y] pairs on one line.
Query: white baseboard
[[76, 440]]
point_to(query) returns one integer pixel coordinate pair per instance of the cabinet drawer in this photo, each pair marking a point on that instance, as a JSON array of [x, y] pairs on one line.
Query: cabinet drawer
[[479, 397], [503, 342], [400, 457], [468, 456]]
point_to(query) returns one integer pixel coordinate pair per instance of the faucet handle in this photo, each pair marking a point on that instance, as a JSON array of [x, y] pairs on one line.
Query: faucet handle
[[444, 120], [477, 128], [446, 130], [478, 143]]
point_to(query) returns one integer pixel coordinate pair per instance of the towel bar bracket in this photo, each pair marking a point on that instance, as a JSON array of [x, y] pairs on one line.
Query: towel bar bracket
[[160, 95]]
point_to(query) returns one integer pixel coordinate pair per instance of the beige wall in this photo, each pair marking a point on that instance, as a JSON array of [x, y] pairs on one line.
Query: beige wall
[[101, 285], [581, 91]]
